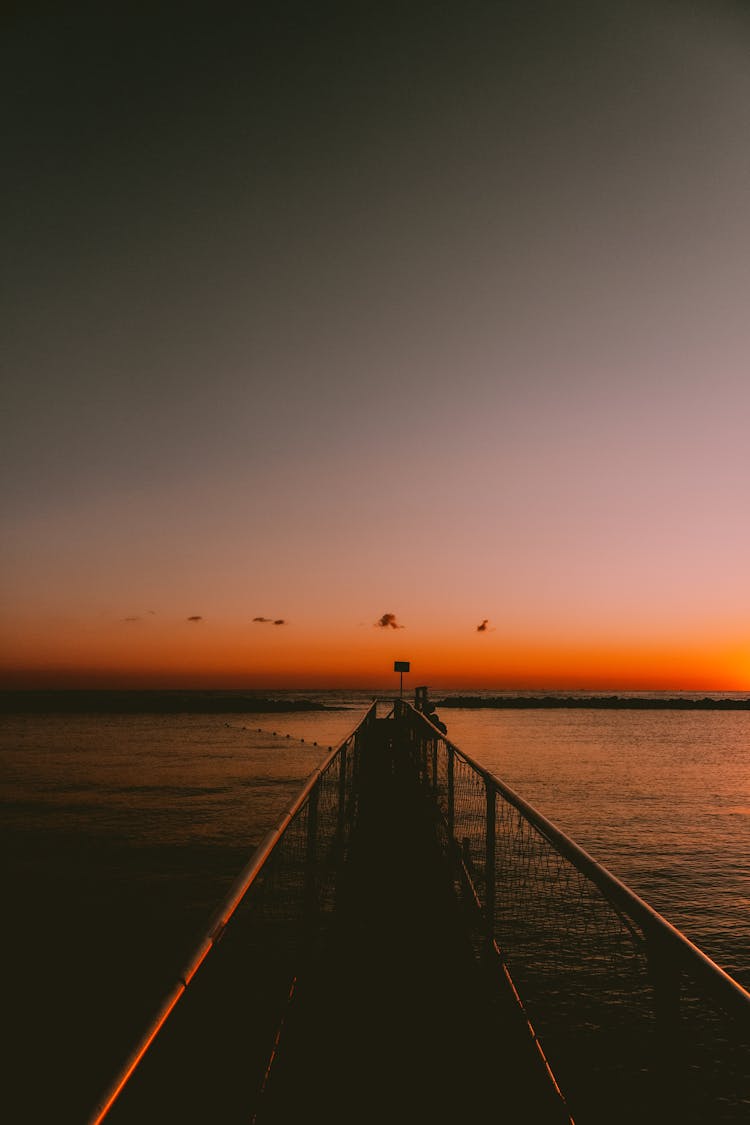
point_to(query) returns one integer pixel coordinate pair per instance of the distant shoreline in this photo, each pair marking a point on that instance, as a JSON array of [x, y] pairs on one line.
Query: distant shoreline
[[605, 702], [209, 701], [129, 702]]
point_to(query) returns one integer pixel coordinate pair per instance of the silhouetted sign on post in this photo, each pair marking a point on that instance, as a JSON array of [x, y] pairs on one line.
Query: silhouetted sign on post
[[401, 666]]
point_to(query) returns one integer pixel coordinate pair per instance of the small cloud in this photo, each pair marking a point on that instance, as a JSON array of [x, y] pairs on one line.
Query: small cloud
[[485, 627], [279, 621], [388, 621], [131, 618], [195, 617], [264, 620]]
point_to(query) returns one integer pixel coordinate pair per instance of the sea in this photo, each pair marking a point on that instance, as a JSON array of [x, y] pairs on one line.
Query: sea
[[123, 829]]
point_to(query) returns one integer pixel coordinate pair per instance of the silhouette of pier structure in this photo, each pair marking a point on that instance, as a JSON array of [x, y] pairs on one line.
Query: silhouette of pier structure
[[414, 942]]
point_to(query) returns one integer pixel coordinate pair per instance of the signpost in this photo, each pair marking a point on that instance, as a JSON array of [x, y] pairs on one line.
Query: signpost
[[401, 666]]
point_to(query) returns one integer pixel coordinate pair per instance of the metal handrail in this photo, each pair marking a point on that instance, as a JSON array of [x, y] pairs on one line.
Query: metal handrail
[[664, 943], [217, 925], [725, 990]]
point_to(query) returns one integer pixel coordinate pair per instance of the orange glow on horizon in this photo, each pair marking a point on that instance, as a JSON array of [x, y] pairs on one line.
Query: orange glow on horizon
[[197, 656]]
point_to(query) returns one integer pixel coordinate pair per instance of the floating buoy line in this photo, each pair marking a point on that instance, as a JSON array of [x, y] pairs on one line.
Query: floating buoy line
[[289, 737]]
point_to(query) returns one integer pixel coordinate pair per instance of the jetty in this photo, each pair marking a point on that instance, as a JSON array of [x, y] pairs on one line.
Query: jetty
[[414, 942]]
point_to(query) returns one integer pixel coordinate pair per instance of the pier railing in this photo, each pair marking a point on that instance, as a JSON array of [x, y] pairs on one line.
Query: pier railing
[[226, 1018], [634, 1019], [635, 1022]]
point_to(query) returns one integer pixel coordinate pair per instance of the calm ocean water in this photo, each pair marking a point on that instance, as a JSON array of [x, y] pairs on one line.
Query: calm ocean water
[[122, 833]]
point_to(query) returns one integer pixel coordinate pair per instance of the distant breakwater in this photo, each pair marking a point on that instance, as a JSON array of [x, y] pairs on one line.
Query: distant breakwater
[[607, 702], [73, 701]]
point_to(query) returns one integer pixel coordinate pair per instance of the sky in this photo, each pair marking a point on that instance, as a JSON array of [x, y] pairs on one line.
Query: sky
[[419, 331]]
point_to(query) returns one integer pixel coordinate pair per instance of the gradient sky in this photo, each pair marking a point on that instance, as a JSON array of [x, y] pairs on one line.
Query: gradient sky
[[321, 312]]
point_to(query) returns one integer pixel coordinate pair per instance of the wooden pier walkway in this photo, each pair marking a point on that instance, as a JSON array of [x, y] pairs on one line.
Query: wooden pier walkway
[[395, 1022], [391, 1019]]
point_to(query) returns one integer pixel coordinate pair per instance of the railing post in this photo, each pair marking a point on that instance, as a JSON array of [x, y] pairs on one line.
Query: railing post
[[489, 865], [356, 759], [665, 978], [311, 903], [434, 765], [451, 796], [664, 972], [340, 824]]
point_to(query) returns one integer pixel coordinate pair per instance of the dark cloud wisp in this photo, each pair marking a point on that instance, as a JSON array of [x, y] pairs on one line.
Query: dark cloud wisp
[[388, 621]]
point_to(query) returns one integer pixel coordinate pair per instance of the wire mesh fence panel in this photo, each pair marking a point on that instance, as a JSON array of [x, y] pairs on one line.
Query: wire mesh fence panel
[[628, 1029], [579, 965], [209, 1059]]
